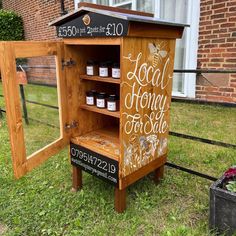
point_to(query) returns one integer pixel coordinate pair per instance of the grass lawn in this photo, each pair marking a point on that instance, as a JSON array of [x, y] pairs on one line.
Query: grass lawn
[[41, 202]]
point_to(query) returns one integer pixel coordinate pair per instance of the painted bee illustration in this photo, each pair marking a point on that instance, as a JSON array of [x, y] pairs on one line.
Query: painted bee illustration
[[156, 53]]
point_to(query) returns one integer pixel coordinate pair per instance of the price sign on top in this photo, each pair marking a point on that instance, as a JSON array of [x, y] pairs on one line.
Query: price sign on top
[[93, 25]]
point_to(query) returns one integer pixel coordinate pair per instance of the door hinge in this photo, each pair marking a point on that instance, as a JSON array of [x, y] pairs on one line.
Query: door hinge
[[68, 63], [72, 125]]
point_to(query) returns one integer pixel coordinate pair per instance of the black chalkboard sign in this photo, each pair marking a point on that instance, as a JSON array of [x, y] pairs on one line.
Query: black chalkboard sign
[[93, 25], [95, 164]]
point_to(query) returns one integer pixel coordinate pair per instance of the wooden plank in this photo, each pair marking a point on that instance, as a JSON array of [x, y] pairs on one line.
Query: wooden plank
[[143, 171], [103, 111], [93, 41], [62, 91], [34, 49], [146, 85], [100, 79], [103, 141], [13, 108], [115, 9], [21, 77], [139, 29], [40, 156]]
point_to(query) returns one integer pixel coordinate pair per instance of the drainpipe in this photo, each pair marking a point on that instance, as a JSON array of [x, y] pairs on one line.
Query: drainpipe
[[63, 11]]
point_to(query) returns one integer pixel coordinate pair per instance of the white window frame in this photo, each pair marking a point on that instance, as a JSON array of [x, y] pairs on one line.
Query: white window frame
[[111, 3], [190, 57], [132, 2], [76, 2], [191, 48]]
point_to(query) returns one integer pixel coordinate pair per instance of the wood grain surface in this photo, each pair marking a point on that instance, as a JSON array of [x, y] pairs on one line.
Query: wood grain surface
[[147, 70]]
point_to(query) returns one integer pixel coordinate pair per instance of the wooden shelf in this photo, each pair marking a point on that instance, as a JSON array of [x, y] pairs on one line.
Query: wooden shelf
[[103, 141], [103, 111], [100, 79]]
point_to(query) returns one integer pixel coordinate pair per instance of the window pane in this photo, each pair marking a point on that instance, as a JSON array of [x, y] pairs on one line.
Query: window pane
[[176, 10], [146, 6], [126, 6], [103, 2], [119, 1], [90, 1]]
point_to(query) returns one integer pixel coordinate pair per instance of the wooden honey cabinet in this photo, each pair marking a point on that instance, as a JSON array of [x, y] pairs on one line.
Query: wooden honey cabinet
[[119, 147]]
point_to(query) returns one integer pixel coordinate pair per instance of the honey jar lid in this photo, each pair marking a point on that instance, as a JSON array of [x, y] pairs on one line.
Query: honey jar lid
[[101, 95], [116, 65], [112, 98]]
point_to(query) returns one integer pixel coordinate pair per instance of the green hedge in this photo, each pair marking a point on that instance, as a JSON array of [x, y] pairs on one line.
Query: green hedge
[[11, 26]]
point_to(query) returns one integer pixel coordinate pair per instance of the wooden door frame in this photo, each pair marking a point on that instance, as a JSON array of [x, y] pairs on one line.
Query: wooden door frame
[[9, 51]]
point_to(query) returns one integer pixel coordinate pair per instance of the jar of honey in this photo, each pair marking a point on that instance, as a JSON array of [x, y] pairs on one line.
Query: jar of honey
[[91, 68], [103, 69], [101, 100], [90, 97], [112, 103], [115, 70]]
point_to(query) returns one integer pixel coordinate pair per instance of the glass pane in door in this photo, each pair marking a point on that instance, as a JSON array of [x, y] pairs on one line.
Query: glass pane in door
[[39, 101]]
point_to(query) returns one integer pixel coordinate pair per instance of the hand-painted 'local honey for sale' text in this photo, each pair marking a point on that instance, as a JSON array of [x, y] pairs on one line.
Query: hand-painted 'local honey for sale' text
[[146, 104]]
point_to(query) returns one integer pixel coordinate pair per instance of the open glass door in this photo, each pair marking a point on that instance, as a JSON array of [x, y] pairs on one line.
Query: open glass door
[[37, 110]]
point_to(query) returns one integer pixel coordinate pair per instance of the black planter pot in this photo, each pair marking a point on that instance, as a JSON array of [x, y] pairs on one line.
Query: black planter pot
[[222, 209]]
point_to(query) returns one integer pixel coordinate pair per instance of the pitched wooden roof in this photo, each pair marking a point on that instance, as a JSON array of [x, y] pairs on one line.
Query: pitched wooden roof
[[113, 12]]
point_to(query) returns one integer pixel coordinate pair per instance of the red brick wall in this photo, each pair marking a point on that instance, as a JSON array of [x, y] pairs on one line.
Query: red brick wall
[[217, 50], [36, 15]]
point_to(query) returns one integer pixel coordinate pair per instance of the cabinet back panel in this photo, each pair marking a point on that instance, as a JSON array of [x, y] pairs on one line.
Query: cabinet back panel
[[87, 120]]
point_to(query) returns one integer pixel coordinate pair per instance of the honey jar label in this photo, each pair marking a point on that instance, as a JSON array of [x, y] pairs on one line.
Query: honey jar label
[[90, 100], [115, 73], [103, 72], [111, 106], [101, 103], [89, 70]]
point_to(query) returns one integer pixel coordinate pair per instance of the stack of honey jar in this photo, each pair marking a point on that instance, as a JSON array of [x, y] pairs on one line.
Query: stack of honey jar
[[101, 99], [103, 69]]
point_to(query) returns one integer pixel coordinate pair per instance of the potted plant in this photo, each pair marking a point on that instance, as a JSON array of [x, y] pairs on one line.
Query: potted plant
[[223, 203]]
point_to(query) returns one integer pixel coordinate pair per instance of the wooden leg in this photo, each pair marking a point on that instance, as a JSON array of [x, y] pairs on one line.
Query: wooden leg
[[159, 174], [76, 179], [120, 200]]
